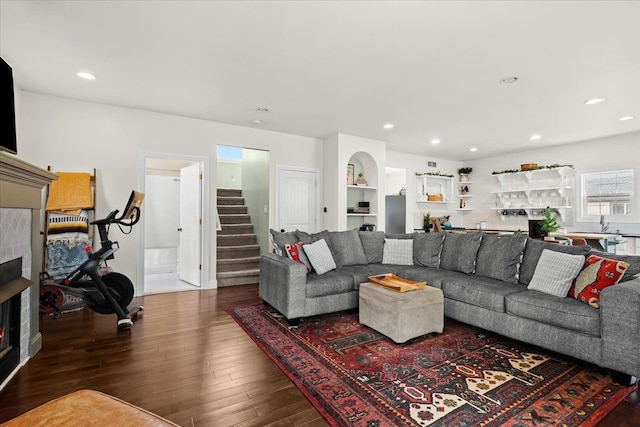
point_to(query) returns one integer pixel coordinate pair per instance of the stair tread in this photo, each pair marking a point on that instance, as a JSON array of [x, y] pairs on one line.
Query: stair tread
[[240, 246], [247, 260], [238, 273]]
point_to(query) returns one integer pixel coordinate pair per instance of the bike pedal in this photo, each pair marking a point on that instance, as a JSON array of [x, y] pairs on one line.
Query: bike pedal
[[124, 324]]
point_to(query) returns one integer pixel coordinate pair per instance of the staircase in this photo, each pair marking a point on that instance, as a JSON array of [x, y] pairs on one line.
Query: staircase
[[238, 253]]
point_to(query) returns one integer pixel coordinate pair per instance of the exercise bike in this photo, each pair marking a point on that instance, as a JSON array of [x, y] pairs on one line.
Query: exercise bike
[[110, 293]]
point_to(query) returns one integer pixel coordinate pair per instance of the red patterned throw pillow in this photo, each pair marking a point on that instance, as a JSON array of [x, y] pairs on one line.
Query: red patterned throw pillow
[[598, 273], [295, 252]]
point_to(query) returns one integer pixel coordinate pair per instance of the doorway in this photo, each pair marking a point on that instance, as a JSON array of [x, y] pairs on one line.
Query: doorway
[[173, 222]]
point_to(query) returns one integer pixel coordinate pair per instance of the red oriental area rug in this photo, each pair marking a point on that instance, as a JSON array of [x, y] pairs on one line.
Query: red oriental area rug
[[465, 376]]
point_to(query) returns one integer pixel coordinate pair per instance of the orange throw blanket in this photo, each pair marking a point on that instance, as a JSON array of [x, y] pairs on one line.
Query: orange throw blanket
[[70, 193]]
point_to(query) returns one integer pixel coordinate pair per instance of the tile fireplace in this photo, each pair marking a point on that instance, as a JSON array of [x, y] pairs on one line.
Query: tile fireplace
[[21, 186]]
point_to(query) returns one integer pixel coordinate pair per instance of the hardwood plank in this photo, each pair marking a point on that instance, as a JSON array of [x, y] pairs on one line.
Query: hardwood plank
[[184, 359]]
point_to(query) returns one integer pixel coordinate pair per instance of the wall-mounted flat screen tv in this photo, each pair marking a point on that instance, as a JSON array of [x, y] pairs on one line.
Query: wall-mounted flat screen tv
[[7, 110]]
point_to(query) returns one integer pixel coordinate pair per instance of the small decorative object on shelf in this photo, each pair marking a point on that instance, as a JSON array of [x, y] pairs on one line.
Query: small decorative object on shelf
[[403, 191], [444, 221], [361, 180], [549, 223], [528, 166], [463, 203], [445, 175], [350, 175], [464, 189], [426, 222], [464, 174]]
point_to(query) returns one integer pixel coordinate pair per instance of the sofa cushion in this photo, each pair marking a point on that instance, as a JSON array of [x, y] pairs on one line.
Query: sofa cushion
[[566, 313], [306, 238], [373, 245], [398, 251], [346, 248], [330, 283], [433, 276], [459, 252], [633, 261], [427, 248], [479, 291], [499, 257], [281, 238], [361, 273], [597, 274], [555, 272], [532, 251], [320, 256]]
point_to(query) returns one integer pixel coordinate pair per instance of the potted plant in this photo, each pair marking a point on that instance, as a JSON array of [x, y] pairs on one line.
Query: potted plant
[[426, 222], [464, 173], [549, 223]]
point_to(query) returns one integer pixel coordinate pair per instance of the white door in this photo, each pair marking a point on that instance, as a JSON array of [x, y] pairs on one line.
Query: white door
[[297, 200], [190, 247]]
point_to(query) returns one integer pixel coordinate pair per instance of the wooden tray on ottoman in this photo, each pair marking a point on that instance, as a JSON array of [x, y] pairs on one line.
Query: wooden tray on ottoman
[[395, 283]]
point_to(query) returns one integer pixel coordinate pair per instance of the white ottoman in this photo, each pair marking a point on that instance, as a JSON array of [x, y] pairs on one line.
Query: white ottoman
[[401, 316]]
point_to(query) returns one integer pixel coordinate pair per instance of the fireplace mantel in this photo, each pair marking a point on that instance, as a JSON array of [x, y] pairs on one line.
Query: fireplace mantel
[[21, 185]]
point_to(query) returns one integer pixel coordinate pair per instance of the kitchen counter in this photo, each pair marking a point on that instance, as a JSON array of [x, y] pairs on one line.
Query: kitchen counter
[[600, 241]]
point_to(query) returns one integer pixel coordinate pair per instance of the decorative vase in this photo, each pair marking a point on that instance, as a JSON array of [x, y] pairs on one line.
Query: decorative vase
[[464, 177]]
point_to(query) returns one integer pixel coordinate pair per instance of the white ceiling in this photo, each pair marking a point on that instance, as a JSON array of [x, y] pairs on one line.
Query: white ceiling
[[431, 68]]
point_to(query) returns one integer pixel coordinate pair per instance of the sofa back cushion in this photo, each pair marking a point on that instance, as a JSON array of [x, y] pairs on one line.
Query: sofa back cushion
[[347, 248], [532, 251], [459, 252], [499, 257], [633, 270], [427, 248], [282, 238], [373, 245]]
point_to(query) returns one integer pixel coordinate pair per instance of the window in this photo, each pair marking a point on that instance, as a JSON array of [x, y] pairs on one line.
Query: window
[[609, 193]]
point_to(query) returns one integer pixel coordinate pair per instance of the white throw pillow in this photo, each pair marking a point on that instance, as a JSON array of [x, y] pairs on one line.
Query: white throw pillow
[[320, 256], [398, 251], [555, 272]]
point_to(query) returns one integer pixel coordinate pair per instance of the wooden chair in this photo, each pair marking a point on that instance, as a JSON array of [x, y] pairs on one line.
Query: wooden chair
[[578, 241]]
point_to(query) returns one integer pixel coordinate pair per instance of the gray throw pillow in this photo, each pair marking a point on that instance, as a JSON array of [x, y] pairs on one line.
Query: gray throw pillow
[[555, 272], [346, 248], [279, 239], [320, 256], [427, 248], [373, 244], [532, 251], [632, 260], [459, 252], [398, 251], [499, 256], [400, 236]]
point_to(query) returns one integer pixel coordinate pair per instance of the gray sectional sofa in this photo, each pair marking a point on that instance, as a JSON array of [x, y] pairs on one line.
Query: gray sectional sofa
[[485, 281]]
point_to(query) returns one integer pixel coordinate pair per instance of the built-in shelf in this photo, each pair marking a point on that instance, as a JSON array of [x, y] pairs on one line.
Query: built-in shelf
[[361, 187], [528, 193]]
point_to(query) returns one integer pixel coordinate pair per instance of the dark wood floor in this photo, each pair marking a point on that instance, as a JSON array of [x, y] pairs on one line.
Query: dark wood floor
[[185, 359]]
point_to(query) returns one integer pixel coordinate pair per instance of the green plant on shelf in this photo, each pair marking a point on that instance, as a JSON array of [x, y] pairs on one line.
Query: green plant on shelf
[[553, 166], [434, 174], [465, 171], [549, 222]]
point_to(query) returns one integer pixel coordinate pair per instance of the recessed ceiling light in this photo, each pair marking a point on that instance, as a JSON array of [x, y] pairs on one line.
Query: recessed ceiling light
[[508, 80], [535, 137], [256, 122], [86, 76], [435, 141], [388, 126], [473, 149], [625, 118], [262, 110], [593, 101]]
